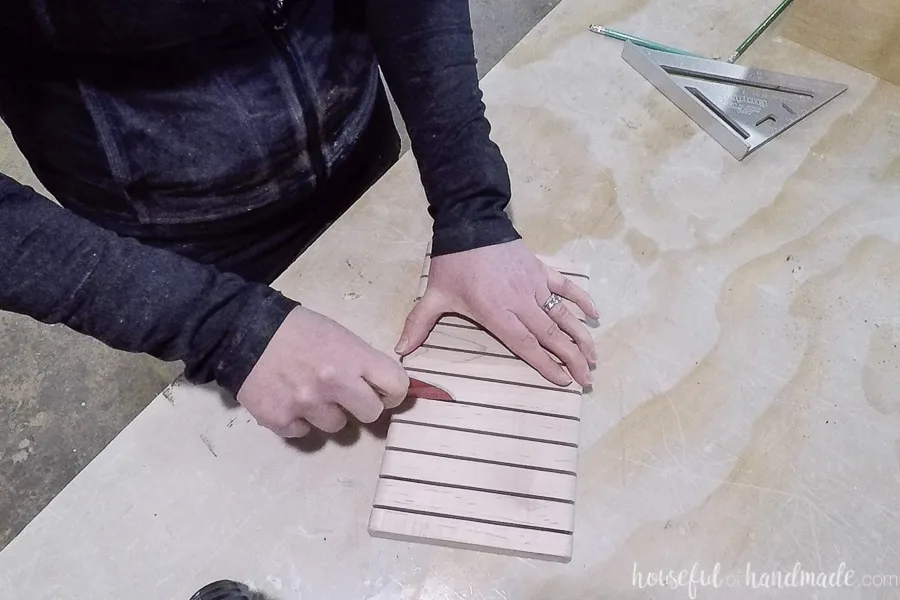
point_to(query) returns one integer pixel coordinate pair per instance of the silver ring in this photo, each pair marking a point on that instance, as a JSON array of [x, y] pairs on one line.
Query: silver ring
[[552, 301]]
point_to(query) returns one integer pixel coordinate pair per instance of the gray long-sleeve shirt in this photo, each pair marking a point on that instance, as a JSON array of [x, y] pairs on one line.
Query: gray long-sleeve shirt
[[174, 119]]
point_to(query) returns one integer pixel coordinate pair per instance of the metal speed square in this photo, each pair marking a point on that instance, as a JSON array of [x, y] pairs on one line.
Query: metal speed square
[[742, 108]]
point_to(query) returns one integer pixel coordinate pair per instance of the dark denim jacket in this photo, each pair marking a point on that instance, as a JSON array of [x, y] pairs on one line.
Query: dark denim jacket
[[164, 120]]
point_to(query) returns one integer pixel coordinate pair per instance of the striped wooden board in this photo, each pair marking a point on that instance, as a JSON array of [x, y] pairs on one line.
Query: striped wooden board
[[494, 470]]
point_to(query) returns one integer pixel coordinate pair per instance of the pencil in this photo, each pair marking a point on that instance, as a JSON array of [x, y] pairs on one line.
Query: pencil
[[759, 31], [624, 37]]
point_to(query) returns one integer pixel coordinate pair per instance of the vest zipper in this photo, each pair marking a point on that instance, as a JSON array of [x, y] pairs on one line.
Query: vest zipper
[[279, 12]]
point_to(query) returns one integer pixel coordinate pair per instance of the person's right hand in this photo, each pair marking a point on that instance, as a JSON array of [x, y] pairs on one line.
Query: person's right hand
[[312, 371]]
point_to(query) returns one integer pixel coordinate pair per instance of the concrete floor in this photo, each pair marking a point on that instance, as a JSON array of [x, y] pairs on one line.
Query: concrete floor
[[64, 397]]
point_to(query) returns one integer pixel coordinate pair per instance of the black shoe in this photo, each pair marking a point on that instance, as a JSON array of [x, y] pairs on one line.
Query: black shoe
[[224, 590]]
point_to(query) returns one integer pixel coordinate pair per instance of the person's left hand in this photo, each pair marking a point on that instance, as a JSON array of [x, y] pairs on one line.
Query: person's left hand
[[503, 287]]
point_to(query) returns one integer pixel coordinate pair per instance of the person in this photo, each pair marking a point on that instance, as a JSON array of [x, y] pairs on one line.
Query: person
[[195, 148]]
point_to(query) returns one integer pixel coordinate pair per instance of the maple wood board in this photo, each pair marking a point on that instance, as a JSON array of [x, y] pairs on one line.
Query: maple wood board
[[495, 469]]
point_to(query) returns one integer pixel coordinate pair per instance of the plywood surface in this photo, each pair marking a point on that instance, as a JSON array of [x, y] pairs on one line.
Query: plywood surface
[[744, 412], [496, 471], [862, 33]]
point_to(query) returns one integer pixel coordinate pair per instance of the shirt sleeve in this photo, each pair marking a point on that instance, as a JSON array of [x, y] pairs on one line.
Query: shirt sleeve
[[426, 52], [59, 268]]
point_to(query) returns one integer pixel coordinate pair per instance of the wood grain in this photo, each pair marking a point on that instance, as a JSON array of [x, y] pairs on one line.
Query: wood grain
[[475, 475], [746, 406], [464, 339], [469, 535], [512, 397], [474, 505], [861, 33], [425, 360], [495, 469], [481, 447], [490, 420]]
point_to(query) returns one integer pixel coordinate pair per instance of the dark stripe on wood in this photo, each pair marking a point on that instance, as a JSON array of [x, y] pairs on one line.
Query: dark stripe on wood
[[500, 381], [480, 460], [427, 513], [510, 436], [471, 488]]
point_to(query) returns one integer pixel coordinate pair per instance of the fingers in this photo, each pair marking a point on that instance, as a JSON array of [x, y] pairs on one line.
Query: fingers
[[551, 337], [359, 399], [518, 338], [563, 286], [388, 380], [296, 429], [575, 329], [362, 401], [420, 322], [327, 417]]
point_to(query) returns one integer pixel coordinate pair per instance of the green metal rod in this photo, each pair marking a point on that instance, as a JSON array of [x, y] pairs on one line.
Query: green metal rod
[[759, 30], [624, 37]]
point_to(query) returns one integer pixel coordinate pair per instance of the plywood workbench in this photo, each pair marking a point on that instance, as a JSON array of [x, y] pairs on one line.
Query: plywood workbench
[[746, 407]]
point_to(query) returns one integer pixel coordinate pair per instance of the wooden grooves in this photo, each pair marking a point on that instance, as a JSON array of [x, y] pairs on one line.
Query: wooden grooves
[[494, 470], [465, 365]]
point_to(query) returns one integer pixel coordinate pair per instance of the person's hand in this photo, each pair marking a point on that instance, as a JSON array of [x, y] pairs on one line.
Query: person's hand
[[313, 372], [503, 288]]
